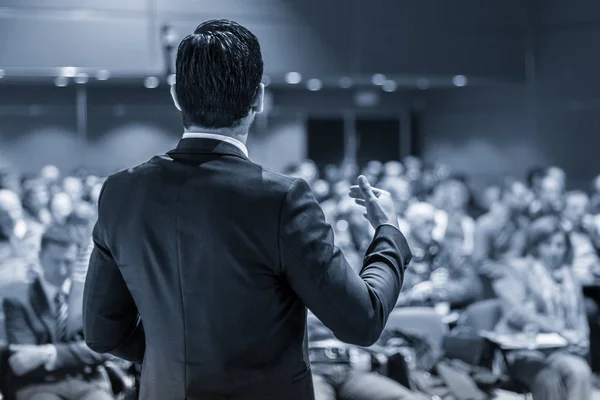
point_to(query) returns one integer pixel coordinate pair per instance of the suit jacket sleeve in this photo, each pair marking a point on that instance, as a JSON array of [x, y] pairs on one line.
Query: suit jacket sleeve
[[18, 330], [111, 321], [355, 306]]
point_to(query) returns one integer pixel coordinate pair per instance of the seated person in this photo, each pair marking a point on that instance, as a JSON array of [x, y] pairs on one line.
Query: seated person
[[500, 233], [334, 376], [437, 274], [583, 235], [49, 358], [541, 294]]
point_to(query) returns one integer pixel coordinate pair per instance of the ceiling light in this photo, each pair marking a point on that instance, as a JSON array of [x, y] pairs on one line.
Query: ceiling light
[[459, 80], [378, 79], [61, 81], [314, 84], [293, 78], [151, 82]]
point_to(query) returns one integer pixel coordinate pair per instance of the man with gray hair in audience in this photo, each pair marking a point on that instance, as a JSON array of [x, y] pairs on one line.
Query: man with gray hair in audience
[[438, 274]]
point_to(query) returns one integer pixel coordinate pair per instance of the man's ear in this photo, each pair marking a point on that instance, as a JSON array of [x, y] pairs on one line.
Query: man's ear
[[174, 96], [259, 100]]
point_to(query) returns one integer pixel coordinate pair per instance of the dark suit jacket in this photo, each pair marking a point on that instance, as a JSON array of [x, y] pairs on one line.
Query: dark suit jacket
[[30, 321], [219, 258]]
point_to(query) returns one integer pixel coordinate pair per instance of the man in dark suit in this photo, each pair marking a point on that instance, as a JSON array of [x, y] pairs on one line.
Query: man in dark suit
[[204, 262], [49, 358]]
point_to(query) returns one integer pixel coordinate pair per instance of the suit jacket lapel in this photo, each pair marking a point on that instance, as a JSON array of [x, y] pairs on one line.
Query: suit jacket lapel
[[40, 305]]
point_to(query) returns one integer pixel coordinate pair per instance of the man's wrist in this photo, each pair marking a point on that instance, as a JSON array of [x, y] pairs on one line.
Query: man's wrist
[[51, 356]]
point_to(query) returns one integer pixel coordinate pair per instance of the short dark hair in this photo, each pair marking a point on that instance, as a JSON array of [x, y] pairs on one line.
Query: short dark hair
[[219, 69], [541, 230], [61, 235]]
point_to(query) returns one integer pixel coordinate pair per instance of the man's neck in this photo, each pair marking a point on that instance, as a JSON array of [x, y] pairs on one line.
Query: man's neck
[[239, 133]]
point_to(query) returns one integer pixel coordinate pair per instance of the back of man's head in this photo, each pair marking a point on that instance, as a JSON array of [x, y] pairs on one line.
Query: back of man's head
[[219, 69]]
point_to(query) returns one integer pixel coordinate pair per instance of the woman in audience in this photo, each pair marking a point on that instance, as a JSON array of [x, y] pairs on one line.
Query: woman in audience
[[540, 294]]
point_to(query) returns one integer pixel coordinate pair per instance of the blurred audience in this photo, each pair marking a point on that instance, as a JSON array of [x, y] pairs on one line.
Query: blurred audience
[[529, 243]]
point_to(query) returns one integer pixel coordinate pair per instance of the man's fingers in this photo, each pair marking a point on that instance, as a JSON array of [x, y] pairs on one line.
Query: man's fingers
[[355, 192], [360, 202], [365, 187]]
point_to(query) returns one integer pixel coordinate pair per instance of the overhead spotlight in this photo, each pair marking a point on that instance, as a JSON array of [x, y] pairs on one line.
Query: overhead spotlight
[[2, 73], [389, 86], [151, 82], [171, 79], [422, 83], [103, 75], [61, 81], [293, 78], [345, 82], [266, 80], [378, 79], [459, 80], [314, 84], [81, 78], [69, 72]]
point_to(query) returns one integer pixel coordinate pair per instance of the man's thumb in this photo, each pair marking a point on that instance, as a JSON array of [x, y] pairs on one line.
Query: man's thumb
[[365, 187]]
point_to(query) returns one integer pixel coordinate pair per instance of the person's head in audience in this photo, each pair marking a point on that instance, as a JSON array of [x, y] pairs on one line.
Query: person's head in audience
[[401, 191], [349, 171], [534, 178], [219, 70], [548, 242], [308, 171], [11, 204], [576, 207], [515, 196], [340, 189], [82, 220], [552, 193], [61, 205], [373, 171], [413, 163], [393, 169], [491, 196], [321, 189], [58, 254], [73, 186], [50, 173], [331, 173], [559, 174], [421, 218], [452, 196], [35, 197]]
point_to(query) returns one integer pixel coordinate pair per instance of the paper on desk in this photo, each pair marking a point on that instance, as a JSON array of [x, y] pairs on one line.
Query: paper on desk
[[515, 342]]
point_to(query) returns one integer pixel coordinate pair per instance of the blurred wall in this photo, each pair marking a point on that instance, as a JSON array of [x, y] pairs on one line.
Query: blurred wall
[[314, 37], [126, 126], [552, 120]]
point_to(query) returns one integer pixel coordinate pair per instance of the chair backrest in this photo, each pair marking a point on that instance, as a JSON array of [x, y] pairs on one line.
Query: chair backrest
[[481, 316], [421, 321]]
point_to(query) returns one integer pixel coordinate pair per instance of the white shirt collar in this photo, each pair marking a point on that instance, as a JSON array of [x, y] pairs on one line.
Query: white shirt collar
[[223, 138]]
